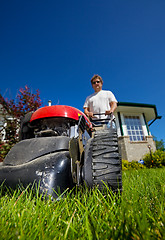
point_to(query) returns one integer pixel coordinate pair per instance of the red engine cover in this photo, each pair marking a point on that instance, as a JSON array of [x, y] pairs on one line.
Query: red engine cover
[[59, 111]]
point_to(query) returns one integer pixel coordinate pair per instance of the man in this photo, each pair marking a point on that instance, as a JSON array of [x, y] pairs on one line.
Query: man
[[100, 101]]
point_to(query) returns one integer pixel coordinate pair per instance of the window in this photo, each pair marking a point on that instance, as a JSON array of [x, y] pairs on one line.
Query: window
[[134, 128]]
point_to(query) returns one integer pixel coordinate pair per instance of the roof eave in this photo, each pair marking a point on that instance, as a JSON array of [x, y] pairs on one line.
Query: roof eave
[[154, 114]]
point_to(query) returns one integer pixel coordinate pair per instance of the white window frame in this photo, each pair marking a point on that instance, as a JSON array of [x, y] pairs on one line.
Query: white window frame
[[141, 117]]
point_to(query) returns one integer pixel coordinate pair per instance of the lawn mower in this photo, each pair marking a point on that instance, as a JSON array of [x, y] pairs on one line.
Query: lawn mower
[[60, 148]]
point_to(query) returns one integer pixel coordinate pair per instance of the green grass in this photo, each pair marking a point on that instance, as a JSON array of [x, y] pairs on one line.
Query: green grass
[[137, 214]]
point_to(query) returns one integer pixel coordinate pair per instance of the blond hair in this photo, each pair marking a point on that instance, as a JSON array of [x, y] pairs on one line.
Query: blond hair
[[96, 76]]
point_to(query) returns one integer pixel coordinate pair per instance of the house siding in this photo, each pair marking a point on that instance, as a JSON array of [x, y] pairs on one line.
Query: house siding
[[135, 150]]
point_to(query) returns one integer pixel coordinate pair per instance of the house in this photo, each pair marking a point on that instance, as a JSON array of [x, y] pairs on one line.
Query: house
[[134, 136]]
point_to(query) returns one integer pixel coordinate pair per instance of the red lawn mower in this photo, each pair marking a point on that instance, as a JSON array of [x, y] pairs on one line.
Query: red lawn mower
[[59, 148]]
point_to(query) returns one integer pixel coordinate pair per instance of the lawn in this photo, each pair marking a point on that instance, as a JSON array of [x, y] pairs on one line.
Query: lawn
[[83, 214]]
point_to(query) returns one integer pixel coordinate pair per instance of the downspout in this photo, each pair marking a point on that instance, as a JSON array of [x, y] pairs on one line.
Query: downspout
[[158, 117]]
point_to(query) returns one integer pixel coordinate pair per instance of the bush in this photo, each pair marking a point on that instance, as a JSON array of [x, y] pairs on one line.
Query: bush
[[156, 159], [4, 149], [131, 165]]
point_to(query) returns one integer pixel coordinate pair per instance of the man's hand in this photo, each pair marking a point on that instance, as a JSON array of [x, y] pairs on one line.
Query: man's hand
[[109, 112], [90, 114], [87, 113], [113, 106]]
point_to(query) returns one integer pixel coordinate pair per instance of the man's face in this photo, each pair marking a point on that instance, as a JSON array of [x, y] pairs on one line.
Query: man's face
[[97, 85]]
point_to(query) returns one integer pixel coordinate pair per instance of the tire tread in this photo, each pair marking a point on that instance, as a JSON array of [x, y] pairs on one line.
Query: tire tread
[[106, 161]]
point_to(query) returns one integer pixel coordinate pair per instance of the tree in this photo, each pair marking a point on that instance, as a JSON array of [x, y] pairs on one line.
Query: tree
[[12, 112], [160, 145]]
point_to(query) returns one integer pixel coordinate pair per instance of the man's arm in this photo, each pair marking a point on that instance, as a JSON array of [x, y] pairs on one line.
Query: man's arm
[[86, 111], [113, 106]]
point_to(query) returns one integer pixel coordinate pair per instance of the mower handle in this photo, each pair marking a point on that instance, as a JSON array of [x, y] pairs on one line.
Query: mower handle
[[99, 114], [98, 120], [103, 121]]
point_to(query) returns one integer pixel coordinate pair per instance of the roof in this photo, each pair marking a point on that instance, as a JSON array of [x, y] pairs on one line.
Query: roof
[[149, 110]]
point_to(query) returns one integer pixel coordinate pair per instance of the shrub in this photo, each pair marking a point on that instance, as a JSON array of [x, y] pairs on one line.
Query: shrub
[[131, 165], [156, 159]]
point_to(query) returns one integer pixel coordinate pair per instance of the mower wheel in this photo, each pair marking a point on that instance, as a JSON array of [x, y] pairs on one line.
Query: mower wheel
[[102, 162]]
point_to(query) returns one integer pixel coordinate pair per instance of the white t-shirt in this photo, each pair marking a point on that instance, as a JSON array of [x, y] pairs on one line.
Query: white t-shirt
[[99, 102]]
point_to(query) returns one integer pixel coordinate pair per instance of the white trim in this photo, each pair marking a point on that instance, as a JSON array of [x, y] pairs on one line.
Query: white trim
[[125, 133], [144, 128], [117, 125]]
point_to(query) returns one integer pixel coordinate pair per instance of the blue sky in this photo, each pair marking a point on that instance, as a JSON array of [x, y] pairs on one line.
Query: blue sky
[[57, 46]]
